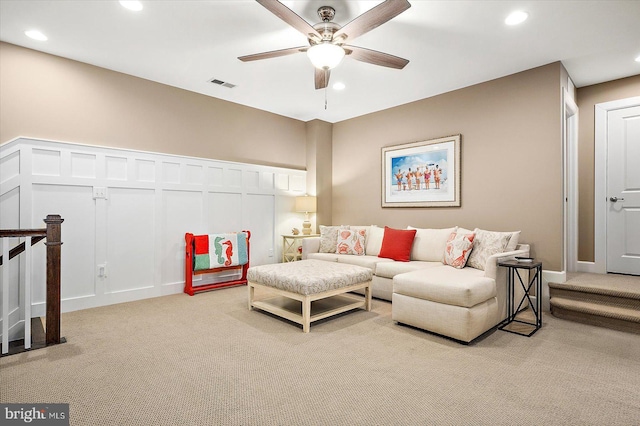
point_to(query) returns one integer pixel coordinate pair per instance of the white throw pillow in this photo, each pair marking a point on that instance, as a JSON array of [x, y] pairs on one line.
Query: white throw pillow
[[350, 242], [486, 244], [429, 244], [513, 241], [374, 240]]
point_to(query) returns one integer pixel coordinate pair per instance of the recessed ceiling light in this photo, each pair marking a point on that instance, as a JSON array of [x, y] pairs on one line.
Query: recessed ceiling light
[[339, 86], [134, 5], [516, 18], [36, 35]]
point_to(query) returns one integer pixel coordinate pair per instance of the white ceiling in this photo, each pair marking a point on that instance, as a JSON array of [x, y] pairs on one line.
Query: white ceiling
[[450, 44]]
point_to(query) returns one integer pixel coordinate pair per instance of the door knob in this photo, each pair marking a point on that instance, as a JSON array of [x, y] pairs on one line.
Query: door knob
[[614, 199]]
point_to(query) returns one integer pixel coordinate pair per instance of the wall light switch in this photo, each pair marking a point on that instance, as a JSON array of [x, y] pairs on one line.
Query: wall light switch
[[99, 192], [102, 270]]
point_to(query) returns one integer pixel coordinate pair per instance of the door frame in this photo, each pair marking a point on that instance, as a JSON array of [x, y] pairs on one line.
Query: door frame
[[600, 177], [570, 163]]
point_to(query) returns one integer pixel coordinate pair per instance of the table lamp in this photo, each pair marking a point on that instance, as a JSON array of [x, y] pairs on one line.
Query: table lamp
[[306, 204]]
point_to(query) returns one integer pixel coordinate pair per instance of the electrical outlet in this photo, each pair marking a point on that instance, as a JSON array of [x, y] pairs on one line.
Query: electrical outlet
[[99, 192], [270, 252]]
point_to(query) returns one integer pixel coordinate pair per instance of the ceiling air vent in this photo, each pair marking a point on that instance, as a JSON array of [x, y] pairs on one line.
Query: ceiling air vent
[[222, 83]]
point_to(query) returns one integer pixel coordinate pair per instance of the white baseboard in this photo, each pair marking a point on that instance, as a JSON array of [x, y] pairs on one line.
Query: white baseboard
[[547, 277], [589, 267]]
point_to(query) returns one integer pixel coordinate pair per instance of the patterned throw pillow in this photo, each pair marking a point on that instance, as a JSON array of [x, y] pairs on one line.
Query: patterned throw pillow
[[350, 242], [486, 244], [458, 249], [329, 238]]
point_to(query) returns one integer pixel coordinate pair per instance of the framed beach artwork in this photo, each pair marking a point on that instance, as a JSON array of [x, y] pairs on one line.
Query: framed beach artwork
[[422, 174]]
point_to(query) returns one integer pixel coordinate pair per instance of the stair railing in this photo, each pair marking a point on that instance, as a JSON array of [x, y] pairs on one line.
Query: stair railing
[[52, 234]]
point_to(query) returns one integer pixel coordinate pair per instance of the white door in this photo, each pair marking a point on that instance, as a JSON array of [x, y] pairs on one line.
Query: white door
[[623, 191]]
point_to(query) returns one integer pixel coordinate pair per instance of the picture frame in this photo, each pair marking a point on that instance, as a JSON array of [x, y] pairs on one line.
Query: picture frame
[[422, 174]]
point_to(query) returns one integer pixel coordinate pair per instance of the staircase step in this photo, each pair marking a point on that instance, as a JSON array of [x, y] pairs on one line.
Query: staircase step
[[616, 317], [614, 289], [606, 298]]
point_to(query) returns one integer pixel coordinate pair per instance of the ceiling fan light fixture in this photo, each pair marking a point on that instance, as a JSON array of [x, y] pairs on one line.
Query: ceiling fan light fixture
[[326, 55]]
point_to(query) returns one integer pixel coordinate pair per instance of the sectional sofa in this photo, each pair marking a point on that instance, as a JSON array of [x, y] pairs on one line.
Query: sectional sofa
[[461, 301]]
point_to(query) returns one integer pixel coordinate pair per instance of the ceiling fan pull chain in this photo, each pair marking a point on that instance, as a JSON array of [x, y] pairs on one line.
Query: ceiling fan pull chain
[[325, 88], [325, 98]]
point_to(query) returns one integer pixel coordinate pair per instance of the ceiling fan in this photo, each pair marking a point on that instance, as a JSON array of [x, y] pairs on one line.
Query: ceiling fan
[[327, 40]]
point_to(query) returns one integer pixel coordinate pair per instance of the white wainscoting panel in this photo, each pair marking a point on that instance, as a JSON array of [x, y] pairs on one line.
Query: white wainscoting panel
[[78, 209], [130, 238], [126, 212]]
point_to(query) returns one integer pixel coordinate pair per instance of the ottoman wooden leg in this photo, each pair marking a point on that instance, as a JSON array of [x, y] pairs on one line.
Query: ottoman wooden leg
[[306, 314], [367, 295], [251, 292]]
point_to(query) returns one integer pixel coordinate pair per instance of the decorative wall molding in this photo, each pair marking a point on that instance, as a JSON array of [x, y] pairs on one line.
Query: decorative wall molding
[[126, 213]]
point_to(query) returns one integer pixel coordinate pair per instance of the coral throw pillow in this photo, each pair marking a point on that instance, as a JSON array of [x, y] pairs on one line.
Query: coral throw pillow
[[350, 242], [396, 244], [458, 249]]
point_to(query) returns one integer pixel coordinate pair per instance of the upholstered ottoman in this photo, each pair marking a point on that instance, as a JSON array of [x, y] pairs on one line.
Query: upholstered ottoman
[[307, 281], [459, 303]]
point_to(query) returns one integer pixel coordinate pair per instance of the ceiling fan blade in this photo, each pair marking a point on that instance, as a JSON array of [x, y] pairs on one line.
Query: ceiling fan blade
[[371, 19], [273, 54], [322, 78], [291, 18], [375, 57]]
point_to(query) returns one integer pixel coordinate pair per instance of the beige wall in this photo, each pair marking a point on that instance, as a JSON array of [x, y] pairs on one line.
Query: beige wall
[[588, 97], [511, 160], [319, 140], [49, 97], [511, 140]]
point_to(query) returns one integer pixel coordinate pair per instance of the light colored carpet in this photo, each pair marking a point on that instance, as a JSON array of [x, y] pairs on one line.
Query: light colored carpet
[[208, 360]]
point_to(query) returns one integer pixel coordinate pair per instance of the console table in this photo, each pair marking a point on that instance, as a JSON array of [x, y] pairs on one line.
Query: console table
[[291, 247], [512, 324]]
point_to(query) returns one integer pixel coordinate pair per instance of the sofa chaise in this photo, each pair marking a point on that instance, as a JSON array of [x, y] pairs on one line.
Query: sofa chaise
[[461, 301]]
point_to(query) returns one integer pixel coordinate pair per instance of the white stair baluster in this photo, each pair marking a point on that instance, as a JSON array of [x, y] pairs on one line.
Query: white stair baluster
[[27, 293], [5, 295]]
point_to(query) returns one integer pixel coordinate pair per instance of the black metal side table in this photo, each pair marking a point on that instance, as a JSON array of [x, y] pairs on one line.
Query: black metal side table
[[523, 328]]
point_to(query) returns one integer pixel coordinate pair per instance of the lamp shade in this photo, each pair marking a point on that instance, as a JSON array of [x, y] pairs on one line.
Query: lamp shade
[[306, 204], [325, 55]]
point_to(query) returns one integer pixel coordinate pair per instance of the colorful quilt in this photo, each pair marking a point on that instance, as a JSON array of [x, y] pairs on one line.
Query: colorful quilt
[[220, 250]]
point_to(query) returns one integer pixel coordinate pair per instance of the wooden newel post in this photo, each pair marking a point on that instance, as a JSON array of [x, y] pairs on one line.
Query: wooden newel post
[[54, 246]]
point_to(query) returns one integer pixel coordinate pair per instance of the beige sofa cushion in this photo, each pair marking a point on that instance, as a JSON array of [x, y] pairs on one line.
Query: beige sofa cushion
[[366, 261], [429, 244], [443, 284], [391, 269], [327, 257]]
